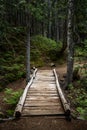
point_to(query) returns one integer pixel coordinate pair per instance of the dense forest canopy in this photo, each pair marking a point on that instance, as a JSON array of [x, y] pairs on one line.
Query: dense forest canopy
[[52, 29], [17, 13], [45, 17]]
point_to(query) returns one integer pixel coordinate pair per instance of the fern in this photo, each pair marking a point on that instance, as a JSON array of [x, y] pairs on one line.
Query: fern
[[12, 97]]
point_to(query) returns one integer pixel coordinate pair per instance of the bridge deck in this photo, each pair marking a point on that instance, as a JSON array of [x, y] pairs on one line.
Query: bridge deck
[[42, 97]]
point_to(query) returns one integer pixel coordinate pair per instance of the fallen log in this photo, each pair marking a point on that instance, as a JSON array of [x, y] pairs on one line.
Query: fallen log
[[20, 104], [63, 100]]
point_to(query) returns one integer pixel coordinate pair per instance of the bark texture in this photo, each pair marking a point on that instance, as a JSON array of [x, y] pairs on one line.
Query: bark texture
[[28, 57], [70, 42]]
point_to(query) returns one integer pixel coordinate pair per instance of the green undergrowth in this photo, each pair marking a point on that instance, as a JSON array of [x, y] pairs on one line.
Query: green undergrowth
[[81, 52], [12, 51], [78, 98], [11, 99], [78, 92], [11, 96], [43, 50], [13, 54]]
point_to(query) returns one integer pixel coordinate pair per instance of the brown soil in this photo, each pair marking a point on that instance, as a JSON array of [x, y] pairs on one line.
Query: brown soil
[[43, 123], [39, 122]]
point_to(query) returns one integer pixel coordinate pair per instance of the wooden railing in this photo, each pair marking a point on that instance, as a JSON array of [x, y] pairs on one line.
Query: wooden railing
[[63, 100], [20, 104]]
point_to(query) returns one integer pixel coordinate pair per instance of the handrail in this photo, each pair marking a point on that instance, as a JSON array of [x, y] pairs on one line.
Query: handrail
[[20, 104], [63, 100]]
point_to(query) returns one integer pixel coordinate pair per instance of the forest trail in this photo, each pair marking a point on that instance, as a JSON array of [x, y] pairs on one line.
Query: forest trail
[[42, 97], [42, 122]]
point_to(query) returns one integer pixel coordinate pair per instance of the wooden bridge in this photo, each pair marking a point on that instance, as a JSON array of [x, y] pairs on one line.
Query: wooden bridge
[[43, 96]]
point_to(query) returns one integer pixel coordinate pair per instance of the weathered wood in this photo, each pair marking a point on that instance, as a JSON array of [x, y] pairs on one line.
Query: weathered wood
[[43, 89], [42, 97], [33, 91], [42, 94], [42, 100], [39, 112], [22, 99], [42, 103], [37, 108], [64, 102]]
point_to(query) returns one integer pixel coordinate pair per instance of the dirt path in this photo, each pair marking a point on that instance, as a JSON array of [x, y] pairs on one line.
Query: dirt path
[[43, 123]]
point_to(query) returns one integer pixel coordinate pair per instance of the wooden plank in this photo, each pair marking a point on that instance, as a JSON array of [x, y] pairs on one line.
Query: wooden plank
[[42, 112], [41, 103], [40, 94], [45, 77], [42, 108], [43, 91], [38, 82], [43, 88], [49, 85], [47, 93], [42, 98]]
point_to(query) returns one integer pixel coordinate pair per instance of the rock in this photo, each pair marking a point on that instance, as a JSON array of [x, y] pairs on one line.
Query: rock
[[52, 65], [32, 70]]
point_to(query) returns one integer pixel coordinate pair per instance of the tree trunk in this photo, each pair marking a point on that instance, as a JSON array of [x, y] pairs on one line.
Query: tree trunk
[[61, 29], [57, 31], [49, 19], [64, 46], [70, 43], [28, 48], [28, 57]]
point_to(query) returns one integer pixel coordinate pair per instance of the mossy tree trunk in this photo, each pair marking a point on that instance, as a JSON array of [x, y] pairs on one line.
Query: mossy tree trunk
[[70, 43]]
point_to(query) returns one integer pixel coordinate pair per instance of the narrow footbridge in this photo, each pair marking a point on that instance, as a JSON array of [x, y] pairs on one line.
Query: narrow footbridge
[[42, 96]]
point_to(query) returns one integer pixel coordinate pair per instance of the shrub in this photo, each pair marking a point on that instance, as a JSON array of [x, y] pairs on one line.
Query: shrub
[[10, 112], [12, 97], [78, 99], [43, 47]]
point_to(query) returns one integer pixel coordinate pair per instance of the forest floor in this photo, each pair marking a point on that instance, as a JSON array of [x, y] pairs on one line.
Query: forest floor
[[40, 122]]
